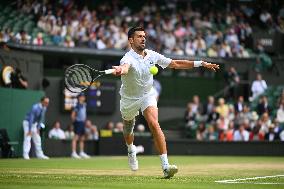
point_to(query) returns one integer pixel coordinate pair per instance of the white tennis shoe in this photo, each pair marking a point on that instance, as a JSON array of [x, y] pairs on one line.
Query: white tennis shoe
[[132, 160], [84, 155], [26, 156], [42, 156], [170, 171], [75, 155]]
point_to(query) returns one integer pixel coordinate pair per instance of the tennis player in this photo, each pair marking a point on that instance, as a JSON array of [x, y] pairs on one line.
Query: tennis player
[[137, 93]]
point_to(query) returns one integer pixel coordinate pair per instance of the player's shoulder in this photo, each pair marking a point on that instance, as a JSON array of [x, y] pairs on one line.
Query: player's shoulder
[[128, 57], [152, 53]]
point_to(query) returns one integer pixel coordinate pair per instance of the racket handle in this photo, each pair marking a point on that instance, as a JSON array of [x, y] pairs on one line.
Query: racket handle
[[109, 71]]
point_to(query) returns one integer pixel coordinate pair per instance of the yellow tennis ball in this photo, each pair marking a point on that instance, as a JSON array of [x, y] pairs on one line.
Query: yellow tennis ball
[[154, 70]]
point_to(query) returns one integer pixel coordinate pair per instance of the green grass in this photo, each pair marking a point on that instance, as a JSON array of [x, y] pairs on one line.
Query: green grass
[[198, 172]]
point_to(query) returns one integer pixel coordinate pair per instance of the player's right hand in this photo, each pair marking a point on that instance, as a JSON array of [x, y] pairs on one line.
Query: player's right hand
[[29, 133], [118, 70]]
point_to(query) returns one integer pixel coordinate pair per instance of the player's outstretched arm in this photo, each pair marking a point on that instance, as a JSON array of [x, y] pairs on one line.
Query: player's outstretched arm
[[187, 64], [121, 70]]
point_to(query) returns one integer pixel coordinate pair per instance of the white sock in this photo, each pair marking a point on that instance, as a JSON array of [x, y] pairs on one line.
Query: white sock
[[164, 161], [130, 147]]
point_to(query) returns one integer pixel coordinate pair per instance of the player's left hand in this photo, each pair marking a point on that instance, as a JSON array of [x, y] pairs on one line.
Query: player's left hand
[[210, 66]]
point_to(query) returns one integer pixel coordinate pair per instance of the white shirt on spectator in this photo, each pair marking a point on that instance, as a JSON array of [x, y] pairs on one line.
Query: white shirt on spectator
[[282, 135], [56, 133], [280, 114], [258, 87], [238, 136]]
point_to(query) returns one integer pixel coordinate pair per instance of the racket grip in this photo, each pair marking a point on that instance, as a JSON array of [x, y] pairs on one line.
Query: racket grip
[[109, 71]]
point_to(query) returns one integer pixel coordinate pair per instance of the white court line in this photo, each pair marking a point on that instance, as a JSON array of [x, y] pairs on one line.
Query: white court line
[[237, 181]]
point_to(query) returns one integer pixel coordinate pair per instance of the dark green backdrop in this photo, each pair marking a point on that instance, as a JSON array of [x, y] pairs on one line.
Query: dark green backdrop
[[14, 104]]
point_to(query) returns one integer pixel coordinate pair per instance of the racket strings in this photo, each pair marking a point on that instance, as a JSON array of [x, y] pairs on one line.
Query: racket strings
[[78, 78]]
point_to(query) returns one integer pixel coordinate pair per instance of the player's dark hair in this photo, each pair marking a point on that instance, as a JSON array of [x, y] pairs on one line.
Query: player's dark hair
[[132, 30]]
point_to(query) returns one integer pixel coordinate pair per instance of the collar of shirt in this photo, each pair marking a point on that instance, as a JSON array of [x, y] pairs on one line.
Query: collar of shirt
[[138, 56], [40, 106]]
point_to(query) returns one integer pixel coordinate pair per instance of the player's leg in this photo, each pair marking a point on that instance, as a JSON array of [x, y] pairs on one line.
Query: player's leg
[[27, 140], [151, 116], [128, 126], [150, 112], [129, 109]]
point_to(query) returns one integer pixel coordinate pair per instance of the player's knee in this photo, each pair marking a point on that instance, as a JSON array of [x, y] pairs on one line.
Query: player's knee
[[128, 126]]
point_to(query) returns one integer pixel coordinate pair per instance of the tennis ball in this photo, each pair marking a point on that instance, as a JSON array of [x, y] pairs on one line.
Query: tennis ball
[[154, 70]]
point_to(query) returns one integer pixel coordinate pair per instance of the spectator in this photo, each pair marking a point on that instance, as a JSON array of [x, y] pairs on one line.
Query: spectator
[[212, 51], [258, 86], [271, 135], [69, 42], [201, 132], [69, 133], [190, 49], [209, 106], [118, 127], [212, 135], [265, 122], [23, 38], [140, 128], [241, 134], [239, 106], [196, 105], [232, 79], [266, 19], [256, 134], [213, 116], [109, 125], [200, 45], [222, 108], [280, 113], [222, 125], [91, 131], [263, 106], [56, 132], [38, 40], [189, 116], [229, 135], [243, 53]]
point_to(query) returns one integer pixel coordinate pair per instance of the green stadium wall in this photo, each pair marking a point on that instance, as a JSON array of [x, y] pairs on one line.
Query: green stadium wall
[[15, 103]]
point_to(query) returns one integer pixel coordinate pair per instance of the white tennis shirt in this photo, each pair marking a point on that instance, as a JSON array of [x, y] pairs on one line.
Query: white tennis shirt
[[139, 81]]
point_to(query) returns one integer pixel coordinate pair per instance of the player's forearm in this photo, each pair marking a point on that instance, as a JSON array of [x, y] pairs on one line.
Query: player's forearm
[[181, 64]]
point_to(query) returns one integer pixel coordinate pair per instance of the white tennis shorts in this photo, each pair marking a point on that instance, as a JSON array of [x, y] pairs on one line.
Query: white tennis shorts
[[129, 108]]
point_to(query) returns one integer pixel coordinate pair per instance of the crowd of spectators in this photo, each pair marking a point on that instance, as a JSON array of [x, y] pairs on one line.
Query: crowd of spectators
[[92, 132], [235, 121], [173, 27]]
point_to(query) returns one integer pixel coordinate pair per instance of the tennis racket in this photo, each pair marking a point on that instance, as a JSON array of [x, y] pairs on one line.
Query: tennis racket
[[79, 77]]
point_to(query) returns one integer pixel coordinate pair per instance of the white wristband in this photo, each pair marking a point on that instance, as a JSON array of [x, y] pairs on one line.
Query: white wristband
[[197, 63]]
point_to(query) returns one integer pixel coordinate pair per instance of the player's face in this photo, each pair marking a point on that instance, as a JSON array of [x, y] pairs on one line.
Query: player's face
[[138, 40]]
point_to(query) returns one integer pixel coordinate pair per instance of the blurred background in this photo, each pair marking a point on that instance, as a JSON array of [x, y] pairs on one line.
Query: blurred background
[[238, 110]]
